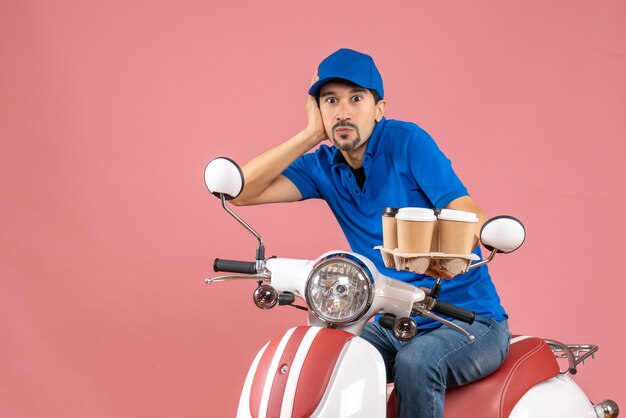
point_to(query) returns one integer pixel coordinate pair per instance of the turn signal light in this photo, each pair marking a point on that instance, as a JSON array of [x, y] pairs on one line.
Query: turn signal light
[[265, 297], [405, 328]]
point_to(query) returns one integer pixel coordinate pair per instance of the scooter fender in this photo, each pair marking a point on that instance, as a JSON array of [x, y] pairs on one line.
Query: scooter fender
[[315, 372], [559, 397]]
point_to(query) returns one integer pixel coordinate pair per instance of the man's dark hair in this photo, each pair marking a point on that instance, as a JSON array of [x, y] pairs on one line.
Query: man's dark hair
[[376, 96]]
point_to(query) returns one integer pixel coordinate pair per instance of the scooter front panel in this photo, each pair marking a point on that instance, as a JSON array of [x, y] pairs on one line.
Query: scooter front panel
[[358, 386], [290, 376]]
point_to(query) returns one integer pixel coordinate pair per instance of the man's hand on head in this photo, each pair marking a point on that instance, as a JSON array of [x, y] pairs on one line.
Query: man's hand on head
[[315, 125]]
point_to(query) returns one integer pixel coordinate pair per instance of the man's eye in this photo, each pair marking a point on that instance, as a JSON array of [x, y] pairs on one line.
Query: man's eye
[[357, 98], [331, 100]]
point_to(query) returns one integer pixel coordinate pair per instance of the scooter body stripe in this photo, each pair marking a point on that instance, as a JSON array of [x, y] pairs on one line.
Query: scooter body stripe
[[243, 410], [262, 382], [318, 369], [294, 374], [271, 372], [282, 371], [520, 338], [256, 389]]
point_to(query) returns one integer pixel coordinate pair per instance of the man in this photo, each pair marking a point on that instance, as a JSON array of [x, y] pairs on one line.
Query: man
[[375, 163]]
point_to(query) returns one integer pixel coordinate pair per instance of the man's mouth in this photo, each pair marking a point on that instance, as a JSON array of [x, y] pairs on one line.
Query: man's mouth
[[343, 131]]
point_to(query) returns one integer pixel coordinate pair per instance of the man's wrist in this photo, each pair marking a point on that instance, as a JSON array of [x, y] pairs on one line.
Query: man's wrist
[[311, 138]]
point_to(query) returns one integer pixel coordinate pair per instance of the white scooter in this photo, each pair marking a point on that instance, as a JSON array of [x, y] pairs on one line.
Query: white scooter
[[325, 369]]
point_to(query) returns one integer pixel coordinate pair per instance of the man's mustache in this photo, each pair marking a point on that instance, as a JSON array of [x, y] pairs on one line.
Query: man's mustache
[[344, 124]]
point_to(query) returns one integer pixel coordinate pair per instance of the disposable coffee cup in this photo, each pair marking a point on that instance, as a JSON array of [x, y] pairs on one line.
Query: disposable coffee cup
[[390, 230], [415, 229], [457, 230], [434, 245]]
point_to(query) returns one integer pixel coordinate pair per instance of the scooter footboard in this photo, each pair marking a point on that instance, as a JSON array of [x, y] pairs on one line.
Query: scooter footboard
[[315, 372]]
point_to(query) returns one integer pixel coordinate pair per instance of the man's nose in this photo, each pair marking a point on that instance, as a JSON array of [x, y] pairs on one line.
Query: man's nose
[[343, 111]]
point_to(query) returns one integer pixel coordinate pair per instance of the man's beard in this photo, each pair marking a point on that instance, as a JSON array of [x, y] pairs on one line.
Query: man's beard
[[349, 146]]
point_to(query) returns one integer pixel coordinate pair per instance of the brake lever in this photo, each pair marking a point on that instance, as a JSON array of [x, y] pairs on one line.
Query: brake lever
[[422, 311], [236, 277]]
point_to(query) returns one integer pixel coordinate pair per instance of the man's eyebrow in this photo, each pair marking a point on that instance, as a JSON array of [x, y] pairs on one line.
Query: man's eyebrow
[[354, 90]]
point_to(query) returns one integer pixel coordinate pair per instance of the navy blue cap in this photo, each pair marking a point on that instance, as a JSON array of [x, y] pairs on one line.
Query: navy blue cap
[[349, 65]]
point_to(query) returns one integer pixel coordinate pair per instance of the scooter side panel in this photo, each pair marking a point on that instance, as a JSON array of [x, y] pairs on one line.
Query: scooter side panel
[[270, 376], [313, 371], [358, 385], [558, 397], [255, 396], [243, 410]]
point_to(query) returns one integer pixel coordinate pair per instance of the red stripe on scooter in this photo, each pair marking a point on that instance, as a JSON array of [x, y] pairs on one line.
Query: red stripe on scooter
[[256, 390], [280, 379], [317, 370]]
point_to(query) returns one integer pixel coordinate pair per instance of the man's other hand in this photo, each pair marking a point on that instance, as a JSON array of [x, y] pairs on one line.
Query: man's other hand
[[315, 126]]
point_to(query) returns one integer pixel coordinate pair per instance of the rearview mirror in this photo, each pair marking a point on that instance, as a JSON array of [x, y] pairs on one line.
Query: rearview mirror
[[504, 234], [223, 176]]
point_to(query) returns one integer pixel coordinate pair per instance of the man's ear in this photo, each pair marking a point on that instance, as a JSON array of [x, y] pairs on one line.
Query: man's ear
[[380, 110]]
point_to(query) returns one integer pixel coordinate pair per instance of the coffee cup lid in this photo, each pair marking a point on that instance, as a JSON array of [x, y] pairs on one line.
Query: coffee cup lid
[[416, 210], [390, 212], [457, 215], [416, 214]]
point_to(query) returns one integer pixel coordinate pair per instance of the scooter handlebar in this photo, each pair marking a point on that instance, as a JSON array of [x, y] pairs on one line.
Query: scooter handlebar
[[235, 266], [453, 311]]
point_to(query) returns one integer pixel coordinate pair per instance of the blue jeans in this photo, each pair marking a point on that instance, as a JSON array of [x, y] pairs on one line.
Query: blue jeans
[[436, 359]]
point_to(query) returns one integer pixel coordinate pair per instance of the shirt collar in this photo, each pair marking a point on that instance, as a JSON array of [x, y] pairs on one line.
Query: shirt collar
[[372, 145]]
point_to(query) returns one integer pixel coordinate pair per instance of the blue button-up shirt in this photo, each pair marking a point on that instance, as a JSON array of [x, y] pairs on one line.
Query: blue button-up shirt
[[403, 167]]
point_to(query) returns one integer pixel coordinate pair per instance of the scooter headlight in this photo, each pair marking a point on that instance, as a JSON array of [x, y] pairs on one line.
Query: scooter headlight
[[339, 289]]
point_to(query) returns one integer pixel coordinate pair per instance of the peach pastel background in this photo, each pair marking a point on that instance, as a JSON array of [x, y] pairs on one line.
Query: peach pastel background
[[110, 110]]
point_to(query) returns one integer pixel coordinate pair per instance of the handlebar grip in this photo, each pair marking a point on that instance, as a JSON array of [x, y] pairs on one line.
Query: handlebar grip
[[454, 311], [234, 266]]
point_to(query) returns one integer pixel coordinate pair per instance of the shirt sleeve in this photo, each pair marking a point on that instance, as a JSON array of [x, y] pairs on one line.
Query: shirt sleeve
[[299, 174], [433, 171]]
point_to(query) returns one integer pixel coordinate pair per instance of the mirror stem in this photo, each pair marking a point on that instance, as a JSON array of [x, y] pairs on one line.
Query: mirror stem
[[260, 251], [485, 261]]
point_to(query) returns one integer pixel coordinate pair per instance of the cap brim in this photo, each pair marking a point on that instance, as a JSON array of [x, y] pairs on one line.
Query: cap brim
[[314, 90]]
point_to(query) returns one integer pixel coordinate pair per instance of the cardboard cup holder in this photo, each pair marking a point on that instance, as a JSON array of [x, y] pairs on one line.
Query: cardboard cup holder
[[420, 262]]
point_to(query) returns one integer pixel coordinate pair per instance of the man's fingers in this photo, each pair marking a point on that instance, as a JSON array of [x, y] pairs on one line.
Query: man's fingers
[[438, 274], [315, 78], [311, 103]]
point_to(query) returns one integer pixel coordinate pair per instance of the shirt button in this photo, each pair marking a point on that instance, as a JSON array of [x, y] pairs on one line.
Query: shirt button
[[356, 191]]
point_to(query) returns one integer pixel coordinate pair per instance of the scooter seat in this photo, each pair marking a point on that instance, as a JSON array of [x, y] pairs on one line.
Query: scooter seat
[[530, 361]]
